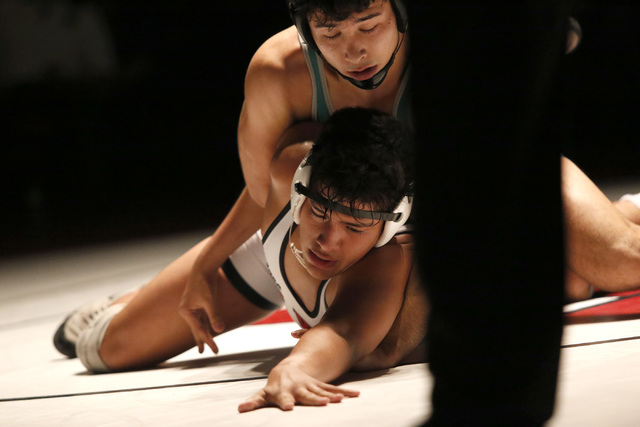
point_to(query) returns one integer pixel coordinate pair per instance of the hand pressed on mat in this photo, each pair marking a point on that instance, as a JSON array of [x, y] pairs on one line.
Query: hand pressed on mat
[[288, 385]]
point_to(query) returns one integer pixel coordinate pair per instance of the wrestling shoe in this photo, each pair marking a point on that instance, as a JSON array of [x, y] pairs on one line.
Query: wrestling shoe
[[68, 332]]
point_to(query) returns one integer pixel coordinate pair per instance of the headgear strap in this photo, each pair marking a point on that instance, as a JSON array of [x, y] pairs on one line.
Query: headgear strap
[[337, 207]]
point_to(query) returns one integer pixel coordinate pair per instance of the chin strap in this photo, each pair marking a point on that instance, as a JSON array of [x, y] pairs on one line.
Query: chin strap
[[296, 252]]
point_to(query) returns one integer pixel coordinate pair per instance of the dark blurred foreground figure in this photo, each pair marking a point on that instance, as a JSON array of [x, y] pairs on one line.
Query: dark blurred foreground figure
[[486, 81]]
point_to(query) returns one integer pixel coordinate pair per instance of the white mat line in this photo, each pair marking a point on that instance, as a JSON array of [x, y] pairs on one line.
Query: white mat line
[[590, 303], [585, 344], [127, 390], [596, 302]]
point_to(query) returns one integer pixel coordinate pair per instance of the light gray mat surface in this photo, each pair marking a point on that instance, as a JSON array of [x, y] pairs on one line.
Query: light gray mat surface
[[599, 376]]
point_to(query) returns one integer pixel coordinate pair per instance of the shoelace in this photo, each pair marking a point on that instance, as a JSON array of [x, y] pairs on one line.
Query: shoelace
[[89, 318]]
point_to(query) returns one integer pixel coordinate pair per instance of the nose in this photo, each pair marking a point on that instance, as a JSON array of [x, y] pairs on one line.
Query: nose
[[355, 51], [328, 237]]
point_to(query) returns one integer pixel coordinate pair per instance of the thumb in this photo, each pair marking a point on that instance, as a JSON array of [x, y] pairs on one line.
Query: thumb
[[216, 323], [253, 403], [214, 320], [298, 333]]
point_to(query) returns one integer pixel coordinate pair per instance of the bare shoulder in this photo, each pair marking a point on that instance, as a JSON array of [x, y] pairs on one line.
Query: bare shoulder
[[375, 284], [279, 48], [279, 66], [387, 266]]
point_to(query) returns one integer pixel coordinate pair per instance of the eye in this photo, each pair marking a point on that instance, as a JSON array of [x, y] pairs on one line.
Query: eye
[[355, 230], [331, 37], [319, 213], [369, 30]]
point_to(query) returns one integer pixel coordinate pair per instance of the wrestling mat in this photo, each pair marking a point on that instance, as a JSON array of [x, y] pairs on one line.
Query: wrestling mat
[[598, 382], [605, 307]]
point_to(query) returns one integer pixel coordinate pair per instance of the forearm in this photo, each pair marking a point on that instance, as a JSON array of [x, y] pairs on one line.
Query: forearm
[[322, 354], [200, 295], [303, 377], [241, 222]]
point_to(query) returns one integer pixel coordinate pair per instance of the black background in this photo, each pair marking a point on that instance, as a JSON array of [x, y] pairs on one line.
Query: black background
[[152, 149]]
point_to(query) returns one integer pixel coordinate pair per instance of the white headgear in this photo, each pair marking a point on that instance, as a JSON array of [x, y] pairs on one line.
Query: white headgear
[[393, 221]]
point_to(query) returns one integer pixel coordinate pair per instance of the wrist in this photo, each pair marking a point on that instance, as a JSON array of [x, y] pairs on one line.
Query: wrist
[[290, 362]]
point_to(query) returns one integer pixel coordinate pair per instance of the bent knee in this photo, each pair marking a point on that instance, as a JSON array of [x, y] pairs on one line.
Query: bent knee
[[627, 271]]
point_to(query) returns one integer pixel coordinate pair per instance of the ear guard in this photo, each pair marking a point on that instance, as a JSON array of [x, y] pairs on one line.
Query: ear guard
[[392, 221], [392, 227], [302, 176]]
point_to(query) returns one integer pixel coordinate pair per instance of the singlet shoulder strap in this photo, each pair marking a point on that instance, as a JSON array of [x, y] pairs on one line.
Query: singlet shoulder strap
[[402, 105], [321, 107]]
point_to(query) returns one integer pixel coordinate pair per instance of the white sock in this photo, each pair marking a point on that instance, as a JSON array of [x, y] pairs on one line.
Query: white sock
[[90, 340]]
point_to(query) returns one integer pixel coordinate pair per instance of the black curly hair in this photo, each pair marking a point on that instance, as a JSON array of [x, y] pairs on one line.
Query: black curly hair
[[330, 10], [362, 156]]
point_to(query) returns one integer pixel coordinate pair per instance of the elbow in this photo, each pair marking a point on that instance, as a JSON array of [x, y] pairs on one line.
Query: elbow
[[377, 360], [258, 193]]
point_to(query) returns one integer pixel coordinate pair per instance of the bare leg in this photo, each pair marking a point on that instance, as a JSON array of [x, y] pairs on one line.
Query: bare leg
[[150, 330], [603, 247]]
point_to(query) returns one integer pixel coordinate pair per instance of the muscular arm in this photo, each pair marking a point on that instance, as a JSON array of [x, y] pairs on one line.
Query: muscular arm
[[266, 125], [277, 95], [362, 313], [603, 246], [404, 342], [229, 235], [365, 306]]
